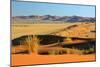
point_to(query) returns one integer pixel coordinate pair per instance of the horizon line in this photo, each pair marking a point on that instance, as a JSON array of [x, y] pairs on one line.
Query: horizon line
[[54, 15]]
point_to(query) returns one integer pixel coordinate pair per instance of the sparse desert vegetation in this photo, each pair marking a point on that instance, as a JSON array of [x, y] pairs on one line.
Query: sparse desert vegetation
[[52, 33], [53, 40]]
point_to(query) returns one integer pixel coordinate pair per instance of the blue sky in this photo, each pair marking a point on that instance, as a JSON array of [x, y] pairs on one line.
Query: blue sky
[[36, 8]]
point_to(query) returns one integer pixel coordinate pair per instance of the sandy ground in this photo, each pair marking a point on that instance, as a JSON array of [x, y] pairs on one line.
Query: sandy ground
[[83, 30], [36, 29], [32, 59], [29, 59]]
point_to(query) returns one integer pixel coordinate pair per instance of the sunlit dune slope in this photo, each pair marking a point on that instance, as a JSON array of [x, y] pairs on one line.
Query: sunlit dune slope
[[83, 30]]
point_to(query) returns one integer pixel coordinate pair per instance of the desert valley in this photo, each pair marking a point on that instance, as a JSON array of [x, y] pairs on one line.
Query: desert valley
[[52, 39]]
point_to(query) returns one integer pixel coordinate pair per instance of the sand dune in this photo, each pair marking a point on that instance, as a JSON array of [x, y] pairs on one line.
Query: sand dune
[[77, 43]]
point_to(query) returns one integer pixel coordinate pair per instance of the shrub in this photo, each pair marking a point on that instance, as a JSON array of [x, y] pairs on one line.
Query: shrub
[[57, 52], [33, 44]]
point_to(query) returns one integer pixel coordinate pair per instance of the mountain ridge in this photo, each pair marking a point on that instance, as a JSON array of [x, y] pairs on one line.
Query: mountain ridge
[[56, 18]]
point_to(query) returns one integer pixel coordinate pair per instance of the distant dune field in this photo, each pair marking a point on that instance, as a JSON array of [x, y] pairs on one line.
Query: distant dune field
[[36, 29]]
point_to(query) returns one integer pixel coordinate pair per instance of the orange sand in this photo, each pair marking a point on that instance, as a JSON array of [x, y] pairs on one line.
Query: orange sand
[[29, 59]]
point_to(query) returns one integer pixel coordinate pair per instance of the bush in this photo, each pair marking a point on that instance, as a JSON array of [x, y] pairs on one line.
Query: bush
[[33, 44]]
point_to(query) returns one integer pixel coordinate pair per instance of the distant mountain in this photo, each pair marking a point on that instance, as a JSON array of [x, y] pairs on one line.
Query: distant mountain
[[57, 18]]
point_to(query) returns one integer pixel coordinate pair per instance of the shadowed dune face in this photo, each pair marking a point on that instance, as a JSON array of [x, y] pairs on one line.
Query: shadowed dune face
[[85, 45], [53, 43], [45, 39]]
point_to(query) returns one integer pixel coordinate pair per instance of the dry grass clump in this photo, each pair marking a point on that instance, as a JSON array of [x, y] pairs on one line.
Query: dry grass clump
[[72, 51], [29, 45], [64, 51], [32, 43], [56, 52]]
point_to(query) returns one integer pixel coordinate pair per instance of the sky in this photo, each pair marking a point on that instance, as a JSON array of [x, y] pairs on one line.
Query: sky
[[36, 8]]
